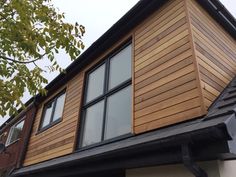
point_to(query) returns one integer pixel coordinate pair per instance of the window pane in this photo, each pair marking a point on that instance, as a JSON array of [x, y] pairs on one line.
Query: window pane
[[59, 107], [118, 116], [93, 124], [120, 67], [47, 114], [16, 132], [95, 83]]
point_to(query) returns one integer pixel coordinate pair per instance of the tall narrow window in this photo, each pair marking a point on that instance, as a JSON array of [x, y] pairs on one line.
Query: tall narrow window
[[15, 132], [107, 103], [52, 111]]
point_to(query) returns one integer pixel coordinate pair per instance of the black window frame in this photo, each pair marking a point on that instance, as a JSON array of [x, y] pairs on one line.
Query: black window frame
[[51, 123], [106, 94]]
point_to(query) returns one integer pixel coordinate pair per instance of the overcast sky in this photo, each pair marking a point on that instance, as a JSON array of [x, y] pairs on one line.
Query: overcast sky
[[98, 16]]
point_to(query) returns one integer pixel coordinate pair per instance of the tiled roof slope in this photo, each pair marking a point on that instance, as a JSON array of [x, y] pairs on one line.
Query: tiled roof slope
[[225, 104]]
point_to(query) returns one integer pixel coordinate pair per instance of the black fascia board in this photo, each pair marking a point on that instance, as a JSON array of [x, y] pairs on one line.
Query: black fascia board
[[193, 132], [217, 10], [122, 27], [131, 19], [14, 118]]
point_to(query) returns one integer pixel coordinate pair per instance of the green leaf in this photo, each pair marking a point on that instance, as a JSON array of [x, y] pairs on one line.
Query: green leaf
[[36, 29]]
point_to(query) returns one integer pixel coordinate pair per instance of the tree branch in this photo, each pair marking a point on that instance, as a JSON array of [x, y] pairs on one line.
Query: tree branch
[[21, 62], [39, 67]]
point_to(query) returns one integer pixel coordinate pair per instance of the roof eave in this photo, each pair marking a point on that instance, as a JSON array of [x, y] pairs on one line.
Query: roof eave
[[217, 10], [123, 26], [215, 132]]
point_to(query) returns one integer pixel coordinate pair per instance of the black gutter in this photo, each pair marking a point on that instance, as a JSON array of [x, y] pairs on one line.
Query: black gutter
[[142, 148]]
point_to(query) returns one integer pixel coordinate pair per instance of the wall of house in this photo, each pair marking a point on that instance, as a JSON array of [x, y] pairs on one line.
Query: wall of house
[[215, 52], [227, 168], [58, 140], [179, 170], [166, 86], [178, 70], [61, 139], [12, 156]]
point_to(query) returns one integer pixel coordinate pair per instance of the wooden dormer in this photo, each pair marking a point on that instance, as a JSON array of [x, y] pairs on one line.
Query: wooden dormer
[[183, 59]]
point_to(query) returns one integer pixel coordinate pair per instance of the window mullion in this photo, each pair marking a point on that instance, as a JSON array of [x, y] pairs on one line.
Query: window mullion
[[53, 110], [104, 118], [105, 98]]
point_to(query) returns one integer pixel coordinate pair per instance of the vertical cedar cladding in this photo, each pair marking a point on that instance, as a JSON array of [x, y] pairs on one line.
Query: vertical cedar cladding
[[215, 52], [166, 86], [59, 139]]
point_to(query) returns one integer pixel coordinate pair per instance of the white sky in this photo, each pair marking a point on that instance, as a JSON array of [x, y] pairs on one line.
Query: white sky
[[97, 16]]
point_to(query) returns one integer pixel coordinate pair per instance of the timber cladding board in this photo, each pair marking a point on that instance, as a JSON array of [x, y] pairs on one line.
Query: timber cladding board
[[215, 52], [60, 139], [179, 61], [166, 89]]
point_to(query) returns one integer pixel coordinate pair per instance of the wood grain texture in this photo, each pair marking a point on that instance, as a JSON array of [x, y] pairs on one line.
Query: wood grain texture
[[166, 88], [57, 140], [60, 139], [215, 52], [182, 60]]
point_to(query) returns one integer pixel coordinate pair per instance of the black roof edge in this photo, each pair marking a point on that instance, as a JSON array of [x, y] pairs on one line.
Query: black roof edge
[[193, 132], [125, 24], [120, 28], [21, 111], [218, 11], [112, 35]]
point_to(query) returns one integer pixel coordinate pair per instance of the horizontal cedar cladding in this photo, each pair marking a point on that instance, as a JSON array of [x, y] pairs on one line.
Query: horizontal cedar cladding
[[60, 139], [167, 89], [215, 52], [166, 80]]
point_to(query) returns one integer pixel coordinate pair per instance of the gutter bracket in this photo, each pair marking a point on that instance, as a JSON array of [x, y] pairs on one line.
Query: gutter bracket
[[190, 164]]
